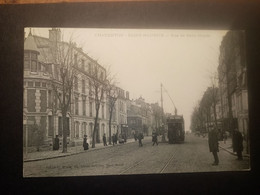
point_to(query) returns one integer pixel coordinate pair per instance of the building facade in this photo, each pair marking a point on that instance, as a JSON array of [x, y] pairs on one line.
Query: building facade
[[233, 82], [42, 105]]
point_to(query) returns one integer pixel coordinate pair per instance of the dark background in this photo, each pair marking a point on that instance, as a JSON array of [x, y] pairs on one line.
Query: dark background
[[239, 15]]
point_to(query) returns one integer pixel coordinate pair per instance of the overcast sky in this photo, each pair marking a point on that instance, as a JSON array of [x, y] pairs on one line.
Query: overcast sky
[[182, 60]]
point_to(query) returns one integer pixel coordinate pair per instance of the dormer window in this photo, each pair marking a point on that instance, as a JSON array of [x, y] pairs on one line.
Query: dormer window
[[30, 61], [33, 66], [33, 56]]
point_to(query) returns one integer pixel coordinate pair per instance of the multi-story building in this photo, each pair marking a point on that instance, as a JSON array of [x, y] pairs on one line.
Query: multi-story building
[[139, 116], [233, 81], [121, 105], [41, 104], [156, 115]]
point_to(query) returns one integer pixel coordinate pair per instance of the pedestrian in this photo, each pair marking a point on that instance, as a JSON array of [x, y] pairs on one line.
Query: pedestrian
[[135, 136], [154, 138], [225, 137], [238, 144], [114, 139], [56, 143], [104, 140], [140, 137], [85, 143], [213, 144]]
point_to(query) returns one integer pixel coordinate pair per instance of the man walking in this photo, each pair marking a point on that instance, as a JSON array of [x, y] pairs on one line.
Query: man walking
[[140, 137], [213, 144], [114, 139], [238, 144], [154, 138], [104, 140]]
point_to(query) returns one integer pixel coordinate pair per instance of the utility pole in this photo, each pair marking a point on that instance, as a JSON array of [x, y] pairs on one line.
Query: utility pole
[[163, 136]]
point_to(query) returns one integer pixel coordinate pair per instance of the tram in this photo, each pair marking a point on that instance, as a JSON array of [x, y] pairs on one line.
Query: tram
[[176, 131]]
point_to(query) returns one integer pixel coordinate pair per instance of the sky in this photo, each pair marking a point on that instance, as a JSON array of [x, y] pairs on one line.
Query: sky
[[182, 60]]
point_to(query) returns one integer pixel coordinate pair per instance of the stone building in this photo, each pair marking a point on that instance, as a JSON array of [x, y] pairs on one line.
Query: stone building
[[41, 106], [139, 116], [121, 105], [232, 73]]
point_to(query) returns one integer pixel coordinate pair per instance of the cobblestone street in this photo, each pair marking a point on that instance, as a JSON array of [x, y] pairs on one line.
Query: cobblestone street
[[191, 156]]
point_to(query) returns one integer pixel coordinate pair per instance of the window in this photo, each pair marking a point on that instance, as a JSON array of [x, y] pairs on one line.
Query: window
[[84, 107], [49, 99], [103, 112], [34, 66], [37, 84], [83, 86], [76, 83], [90, 109], [30, 84], [59, 104], [76, 106], [90, 88]]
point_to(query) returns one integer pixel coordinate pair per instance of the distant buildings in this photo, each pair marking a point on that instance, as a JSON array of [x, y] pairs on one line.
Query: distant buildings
[[140, 116]]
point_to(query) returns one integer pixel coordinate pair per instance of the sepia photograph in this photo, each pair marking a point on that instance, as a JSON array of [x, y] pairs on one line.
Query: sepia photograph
[[116, 101]]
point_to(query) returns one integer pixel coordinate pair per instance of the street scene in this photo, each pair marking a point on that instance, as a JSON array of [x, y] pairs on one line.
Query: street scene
[[191, 156], [134, 101]]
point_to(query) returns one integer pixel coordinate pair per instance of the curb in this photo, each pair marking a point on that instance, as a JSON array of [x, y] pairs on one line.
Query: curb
[[244, 155], [73, 153], [229, 151]]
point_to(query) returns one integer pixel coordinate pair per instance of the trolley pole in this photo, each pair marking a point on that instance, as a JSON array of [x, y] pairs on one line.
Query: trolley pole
[[163, 133]]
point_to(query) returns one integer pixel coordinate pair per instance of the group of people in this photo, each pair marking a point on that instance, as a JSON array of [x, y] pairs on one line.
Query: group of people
[[138, 136], [237, 143]]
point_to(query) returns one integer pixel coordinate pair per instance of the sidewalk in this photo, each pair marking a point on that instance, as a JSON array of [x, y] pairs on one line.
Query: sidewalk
[[43, 155], [228, 147]]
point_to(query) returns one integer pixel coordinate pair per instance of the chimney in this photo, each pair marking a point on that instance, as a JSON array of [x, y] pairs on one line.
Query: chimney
[[55, 35]]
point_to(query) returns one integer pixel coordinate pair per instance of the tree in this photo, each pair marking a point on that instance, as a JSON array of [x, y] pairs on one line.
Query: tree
[[197, 119], [112, 95], [213, 95], [59, 62], [99, 84]]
